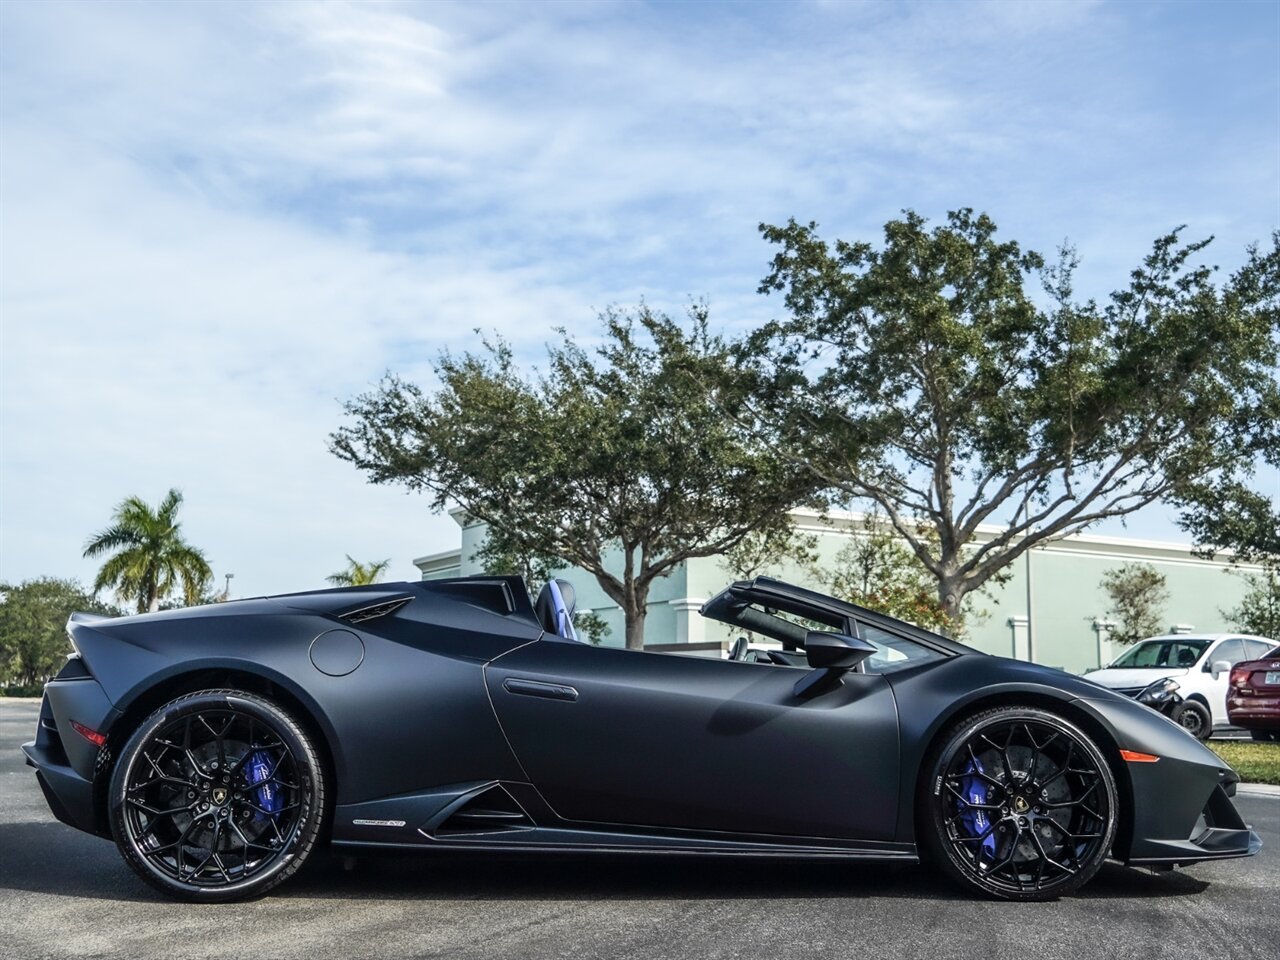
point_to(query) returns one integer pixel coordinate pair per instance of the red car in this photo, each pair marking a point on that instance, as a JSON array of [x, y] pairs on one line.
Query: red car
[[1253, 696]]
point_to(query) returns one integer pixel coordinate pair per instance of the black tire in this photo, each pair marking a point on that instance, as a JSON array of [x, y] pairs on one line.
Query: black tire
[[1194, 717], [218, 795], [1265, 736], [1018, 804]]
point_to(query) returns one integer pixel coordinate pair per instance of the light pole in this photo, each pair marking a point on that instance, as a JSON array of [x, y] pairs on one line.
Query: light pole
[[1031, 616], [226, 591]]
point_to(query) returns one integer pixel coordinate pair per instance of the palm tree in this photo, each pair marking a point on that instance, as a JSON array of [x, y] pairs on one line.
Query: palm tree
[[148, 557], [359, 574]]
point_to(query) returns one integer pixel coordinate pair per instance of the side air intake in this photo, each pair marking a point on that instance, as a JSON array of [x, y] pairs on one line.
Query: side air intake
[[384, 609], [492, 810]]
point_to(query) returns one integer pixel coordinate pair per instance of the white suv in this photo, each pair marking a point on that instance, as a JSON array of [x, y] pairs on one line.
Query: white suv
[[1195, 666]]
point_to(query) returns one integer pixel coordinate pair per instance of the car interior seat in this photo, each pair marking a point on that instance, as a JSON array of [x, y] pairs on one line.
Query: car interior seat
[[555, 607]]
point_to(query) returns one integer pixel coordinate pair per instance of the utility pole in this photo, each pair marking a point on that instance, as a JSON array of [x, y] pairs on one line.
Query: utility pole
[[226, 591], [1031, 643]]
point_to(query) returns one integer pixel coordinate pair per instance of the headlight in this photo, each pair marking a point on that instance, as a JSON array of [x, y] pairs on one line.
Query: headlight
[[1159, 691]]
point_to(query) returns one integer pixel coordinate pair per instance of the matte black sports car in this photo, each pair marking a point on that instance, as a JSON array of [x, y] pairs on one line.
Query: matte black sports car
[[220, 745]]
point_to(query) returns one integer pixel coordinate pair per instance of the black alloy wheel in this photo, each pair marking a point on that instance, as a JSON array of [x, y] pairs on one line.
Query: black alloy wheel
[[218, 795], [1194, 717], [1021, 804]]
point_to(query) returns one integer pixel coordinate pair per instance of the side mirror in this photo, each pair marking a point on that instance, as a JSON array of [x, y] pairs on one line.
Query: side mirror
[[830, 655], [836, 651], [1219, 667]]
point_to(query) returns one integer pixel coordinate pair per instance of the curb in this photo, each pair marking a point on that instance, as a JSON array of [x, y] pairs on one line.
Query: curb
[[1258, 790]]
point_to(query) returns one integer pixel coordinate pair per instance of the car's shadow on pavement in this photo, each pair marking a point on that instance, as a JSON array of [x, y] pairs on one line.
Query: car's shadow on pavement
[[45, 857], [599, 877]]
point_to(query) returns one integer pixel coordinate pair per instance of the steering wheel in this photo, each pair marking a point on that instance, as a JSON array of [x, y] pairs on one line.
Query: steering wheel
[[739, 649]]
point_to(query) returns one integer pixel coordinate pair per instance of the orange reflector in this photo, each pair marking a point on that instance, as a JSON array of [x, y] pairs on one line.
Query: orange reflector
[[1132, 756]]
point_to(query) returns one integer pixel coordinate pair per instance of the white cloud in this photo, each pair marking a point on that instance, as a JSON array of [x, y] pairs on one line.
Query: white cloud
[[217, 220], [152, 340]]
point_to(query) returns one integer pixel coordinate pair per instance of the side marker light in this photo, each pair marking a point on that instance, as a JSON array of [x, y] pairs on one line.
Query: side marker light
[[1132, 756]]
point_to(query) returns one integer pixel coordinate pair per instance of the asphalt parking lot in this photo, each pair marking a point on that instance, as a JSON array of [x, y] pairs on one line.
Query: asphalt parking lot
[[66, 894]]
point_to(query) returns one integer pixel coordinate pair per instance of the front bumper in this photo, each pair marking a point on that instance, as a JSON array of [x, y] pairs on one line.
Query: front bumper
[[1181, 810], [1217, 834]]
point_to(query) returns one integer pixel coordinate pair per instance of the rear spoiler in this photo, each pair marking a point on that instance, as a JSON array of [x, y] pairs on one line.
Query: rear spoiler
[[79, 617]]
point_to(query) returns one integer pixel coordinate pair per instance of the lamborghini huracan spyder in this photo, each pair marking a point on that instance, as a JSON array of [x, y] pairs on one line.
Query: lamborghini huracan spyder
[[218, 746]]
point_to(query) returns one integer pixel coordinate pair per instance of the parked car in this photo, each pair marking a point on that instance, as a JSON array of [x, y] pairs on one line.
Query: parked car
[[1184, 676], [1253, 697], [219, 746]]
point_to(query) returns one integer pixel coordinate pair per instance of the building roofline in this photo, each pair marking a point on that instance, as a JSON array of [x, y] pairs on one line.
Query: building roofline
[[986, 531]]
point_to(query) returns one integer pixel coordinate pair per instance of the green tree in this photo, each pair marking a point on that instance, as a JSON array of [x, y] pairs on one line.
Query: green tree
[[590, 626], [1259, 609], [1138, 593], [357, 574], [33, 627], [923, 376], [1226, 515], [618, 461], [147, 557], [760, 552], [877, 570]]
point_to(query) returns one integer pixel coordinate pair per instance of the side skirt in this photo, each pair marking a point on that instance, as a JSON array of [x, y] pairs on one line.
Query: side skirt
[[504, 817], [588, 842]]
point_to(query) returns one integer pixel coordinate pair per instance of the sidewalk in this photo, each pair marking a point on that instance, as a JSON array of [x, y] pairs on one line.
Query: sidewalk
[[1259, 789]]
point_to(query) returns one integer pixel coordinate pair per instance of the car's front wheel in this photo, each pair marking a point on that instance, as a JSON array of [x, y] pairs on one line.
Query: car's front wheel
[[1019, 804], [218, 795], [1195, 718]]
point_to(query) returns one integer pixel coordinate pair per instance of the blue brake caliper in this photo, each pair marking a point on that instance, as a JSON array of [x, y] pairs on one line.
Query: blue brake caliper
[[975, 790], [268, 792]]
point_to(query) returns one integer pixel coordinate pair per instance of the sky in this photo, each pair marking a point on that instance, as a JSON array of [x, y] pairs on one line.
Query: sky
[[219, 221]]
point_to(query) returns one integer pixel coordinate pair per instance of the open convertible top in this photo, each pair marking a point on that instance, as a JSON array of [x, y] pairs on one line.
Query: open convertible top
[[755, 605]]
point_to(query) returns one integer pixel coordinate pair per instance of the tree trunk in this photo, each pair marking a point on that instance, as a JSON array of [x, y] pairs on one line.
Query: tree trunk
[[950, 598], [635, 608], [635, 628]]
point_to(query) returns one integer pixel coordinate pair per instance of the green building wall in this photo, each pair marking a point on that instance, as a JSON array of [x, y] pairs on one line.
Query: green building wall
[[1067, 612]]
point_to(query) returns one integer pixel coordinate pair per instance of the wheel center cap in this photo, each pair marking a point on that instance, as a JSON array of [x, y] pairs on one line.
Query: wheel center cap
[[219, 795], [1020, 804]]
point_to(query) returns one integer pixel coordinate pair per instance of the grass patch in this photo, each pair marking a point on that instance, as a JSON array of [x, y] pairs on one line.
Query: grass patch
[[1255, 762]]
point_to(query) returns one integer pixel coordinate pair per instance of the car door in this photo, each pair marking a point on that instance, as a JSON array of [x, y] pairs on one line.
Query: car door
[[1232, 651], [614, 736]]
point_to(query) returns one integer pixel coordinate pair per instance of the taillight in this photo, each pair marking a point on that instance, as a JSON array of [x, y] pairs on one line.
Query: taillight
[[1240, 676]]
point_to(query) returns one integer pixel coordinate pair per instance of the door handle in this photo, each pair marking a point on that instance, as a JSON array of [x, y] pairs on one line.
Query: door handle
[[537, 688]]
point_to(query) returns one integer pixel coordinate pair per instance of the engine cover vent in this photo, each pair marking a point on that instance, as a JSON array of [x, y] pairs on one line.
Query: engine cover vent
[[384, 609], [491, 810]]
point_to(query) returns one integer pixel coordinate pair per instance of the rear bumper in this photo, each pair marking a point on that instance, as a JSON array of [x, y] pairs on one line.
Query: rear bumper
[[1254, 713], [69, 795], [67, 765]]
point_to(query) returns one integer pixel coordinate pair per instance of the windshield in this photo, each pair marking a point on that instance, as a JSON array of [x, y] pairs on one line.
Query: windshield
[[893, 652], [1162, 653]]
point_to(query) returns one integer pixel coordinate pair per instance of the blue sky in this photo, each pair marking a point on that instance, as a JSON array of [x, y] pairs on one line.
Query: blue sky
[[218, 221]]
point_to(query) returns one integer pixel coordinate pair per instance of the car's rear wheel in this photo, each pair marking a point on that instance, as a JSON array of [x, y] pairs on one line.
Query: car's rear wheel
[[1020, 804], [218, 795], [1194, 718]]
